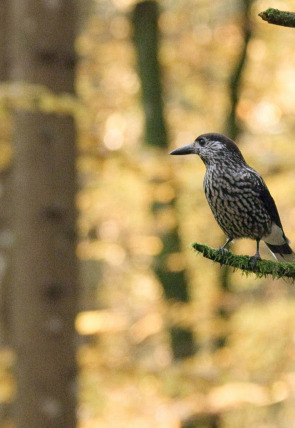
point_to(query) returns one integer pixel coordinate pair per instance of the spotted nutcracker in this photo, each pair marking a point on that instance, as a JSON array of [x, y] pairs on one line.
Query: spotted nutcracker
[[238, 197]]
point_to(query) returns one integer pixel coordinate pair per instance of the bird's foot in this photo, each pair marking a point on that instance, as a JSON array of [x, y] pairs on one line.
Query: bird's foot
[[253, 260], [222, 251]]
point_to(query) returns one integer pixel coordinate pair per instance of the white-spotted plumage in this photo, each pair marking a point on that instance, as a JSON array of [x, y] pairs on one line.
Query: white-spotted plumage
[[237, 195]]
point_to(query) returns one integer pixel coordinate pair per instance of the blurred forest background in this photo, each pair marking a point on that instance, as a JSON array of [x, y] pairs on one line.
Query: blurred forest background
[[164, 338]]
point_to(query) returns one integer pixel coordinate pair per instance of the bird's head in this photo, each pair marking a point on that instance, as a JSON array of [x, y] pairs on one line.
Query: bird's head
[[212, 148]]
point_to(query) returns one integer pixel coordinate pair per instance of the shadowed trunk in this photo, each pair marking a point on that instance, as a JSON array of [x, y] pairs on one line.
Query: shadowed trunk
[[174, 283], [44, 293], [146, 35], [5, 194], [232, 128]]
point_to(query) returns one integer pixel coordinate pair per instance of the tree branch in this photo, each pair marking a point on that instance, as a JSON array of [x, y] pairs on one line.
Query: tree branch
[[278, 17], [263, 268]]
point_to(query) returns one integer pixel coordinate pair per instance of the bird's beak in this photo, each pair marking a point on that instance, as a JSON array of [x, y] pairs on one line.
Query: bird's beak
[[184, 150]]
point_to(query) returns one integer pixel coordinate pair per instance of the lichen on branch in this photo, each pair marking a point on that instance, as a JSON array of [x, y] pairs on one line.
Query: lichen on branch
[[278, 17], [262, 268]]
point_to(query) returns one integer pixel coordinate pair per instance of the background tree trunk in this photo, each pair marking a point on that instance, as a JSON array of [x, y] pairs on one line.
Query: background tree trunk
[[175, 286], [233, 129], [5, 192], [44, 292], [3, 39], [146, 37]]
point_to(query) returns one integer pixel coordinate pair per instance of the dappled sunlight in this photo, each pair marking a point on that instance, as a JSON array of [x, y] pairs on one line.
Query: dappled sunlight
[[165, 337], [95, 322], [265, 117], [133, 198]]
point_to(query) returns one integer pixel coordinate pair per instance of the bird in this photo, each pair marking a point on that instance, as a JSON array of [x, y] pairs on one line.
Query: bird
[[238, 196]]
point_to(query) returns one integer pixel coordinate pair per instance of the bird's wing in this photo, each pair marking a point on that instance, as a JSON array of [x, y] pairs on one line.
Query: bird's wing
[[265, 196], [276, 241]]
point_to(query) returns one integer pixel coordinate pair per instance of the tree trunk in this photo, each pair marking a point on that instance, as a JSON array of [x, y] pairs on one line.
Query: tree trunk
[[233, 129], [146, 35], [3, 39], [44, 292], [5, 195], [175, 286]]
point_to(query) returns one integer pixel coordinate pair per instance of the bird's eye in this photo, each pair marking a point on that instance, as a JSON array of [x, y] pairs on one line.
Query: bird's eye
[[202, 142]]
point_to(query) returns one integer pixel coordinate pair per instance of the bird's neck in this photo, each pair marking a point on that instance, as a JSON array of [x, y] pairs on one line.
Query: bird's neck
[[224, 166]]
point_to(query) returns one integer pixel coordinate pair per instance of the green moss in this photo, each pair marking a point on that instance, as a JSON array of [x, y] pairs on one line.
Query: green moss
[[262, 268], [278, 17]]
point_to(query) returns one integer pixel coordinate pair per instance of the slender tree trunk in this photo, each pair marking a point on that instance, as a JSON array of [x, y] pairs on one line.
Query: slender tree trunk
[[44, 292], [232, 126], [175, 286], [146, 38], [233, 129]]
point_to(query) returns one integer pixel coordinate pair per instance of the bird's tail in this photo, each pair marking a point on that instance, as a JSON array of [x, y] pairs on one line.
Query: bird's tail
[[283, 253]]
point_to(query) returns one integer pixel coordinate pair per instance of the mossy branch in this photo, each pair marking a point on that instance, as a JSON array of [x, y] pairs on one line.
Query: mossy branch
[[278, 17], [262, 268]]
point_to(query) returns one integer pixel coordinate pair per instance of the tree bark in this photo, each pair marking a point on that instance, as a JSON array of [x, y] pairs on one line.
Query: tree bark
[[44, 292]]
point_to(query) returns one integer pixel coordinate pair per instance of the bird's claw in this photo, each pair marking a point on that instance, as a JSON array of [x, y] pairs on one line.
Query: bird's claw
[[253, 261], [223, 251]]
